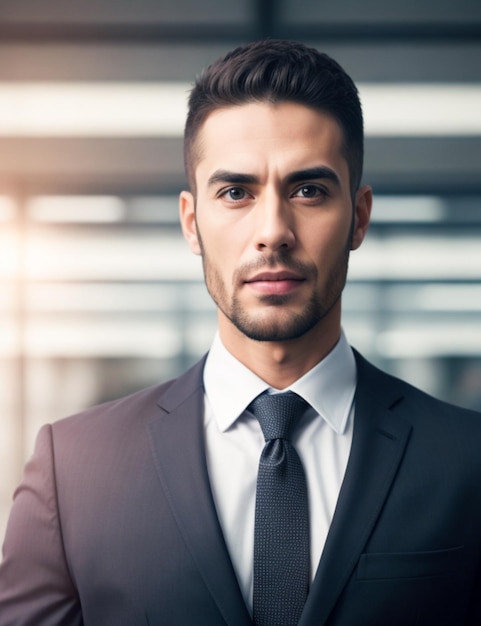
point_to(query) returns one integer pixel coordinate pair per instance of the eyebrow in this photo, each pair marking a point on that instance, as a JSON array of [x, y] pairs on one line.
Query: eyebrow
[[314, 173], [233, 178], [311, 173]]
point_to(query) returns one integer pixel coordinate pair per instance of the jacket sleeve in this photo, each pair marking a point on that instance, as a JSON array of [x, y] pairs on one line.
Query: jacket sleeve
[[36, 588]]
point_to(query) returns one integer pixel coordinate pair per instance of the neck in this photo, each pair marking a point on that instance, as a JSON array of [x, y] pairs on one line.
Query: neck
[[281, 363]]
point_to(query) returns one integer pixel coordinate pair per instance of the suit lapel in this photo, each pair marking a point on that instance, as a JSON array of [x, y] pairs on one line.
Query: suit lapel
[[379, 442], [177, 439]]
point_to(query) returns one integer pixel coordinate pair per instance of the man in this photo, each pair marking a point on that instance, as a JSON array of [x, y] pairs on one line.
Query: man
[[143, 511]]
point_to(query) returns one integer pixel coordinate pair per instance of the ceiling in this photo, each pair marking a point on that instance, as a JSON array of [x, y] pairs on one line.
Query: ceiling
[[151, 41]]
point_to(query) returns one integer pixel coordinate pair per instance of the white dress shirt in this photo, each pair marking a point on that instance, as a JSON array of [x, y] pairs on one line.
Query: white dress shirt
[[234, 442]]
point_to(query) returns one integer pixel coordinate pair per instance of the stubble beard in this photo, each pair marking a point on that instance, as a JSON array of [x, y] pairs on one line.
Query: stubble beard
[[278, 323]]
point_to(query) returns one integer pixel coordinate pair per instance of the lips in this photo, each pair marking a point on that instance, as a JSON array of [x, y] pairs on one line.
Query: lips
[[275, 283]]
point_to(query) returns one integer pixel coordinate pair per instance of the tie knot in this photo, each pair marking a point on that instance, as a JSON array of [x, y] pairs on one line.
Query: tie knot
[[277, 413]]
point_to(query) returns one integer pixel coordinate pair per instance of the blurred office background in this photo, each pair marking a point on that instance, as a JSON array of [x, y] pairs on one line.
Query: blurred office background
[[100, 296]]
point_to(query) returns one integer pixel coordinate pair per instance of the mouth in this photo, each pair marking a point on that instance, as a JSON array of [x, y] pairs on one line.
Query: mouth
[[280, 282]]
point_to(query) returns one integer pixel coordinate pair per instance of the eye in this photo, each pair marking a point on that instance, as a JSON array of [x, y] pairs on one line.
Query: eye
[[235, 194], [309, 191]]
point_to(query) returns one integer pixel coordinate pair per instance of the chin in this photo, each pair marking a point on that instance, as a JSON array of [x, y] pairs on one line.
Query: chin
[[293, 326]]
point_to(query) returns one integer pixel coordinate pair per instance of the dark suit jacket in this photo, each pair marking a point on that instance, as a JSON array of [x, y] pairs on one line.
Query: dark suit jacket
[[114, 523]]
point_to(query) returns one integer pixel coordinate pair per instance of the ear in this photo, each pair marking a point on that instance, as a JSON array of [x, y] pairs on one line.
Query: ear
[[187, 220], [362, 215]]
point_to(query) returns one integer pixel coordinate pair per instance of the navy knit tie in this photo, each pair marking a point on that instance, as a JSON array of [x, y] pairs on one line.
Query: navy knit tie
[[281, 536]]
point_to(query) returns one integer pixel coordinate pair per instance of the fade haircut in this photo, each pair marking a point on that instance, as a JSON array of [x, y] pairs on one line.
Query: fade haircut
[[277, 71]]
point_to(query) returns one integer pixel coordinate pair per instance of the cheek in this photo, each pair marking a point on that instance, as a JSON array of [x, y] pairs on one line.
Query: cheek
[[320, 241], [220, 255], [221, 241]]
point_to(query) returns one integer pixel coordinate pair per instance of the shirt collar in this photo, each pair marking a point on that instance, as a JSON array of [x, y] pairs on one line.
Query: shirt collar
[[328, 387]]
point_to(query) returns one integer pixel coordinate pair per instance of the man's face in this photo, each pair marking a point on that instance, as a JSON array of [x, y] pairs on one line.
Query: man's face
[[273, 218]]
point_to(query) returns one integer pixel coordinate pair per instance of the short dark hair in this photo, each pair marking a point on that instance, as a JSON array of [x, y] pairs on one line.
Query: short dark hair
[[273, 70]]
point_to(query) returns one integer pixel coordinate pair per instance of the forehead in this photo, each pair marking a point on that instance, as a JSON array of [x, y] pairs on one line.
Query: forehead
[[261, 135]]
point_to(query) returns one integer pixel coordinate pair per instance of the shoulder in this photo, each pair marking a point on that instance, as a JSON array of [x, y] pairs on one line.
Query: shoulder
[[131, 411], [443, 439], [415, 405]]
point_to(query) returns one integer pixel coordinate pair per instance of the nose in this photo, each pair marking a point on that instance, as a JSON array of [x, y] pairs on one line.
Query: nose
[[274, 227]]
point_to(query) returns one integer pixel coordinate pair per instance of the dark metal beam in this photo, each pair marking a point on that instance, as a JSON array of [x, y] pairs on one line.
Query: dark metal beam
[[264, 25]]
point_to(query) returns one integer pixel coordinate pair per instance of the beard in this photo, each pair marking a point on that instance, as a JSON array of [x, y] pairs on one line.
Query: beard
[[276, 322]]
